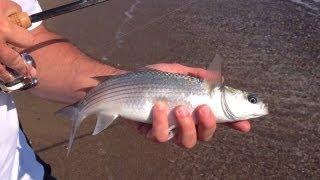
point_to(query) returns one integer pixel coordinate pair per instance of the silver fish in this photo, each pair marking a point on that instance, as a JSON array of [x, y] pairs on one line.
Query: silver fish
[[133, 95]]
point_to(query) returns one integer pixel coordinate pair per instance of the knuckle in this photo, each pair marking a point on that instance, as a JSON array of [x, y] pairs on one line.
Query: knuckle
[[16, 6], [11, 6], [7, 54], [15, 62], [206, 118], [181, 112], [12, 59], [4, 75], [187, 124], [31, 40], [4, 27], [2, 48]]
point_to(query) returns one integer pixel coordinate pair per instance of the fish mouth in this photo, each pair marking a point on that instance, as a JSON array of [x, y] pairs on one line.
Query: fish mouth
[[264, 111], [256, 115]]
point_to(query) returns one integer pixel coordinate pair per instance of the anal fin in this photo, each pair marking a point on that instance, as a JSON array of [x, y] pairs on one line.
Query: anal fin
[[103, 121]]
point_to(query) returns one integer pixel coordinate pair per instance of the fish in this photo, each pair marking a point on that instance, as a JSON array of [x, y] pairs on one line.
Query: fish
[[133, 95]]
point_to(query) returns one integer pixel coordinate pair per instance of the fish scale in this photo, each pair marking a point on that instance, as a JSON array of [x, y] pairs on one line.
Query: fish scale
[[148, 82], [147, 90], [146, 76]]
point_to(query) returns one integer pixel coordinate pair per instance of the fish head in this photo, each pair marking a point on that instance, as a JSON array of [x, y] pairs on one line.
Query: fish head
[[240, 105]]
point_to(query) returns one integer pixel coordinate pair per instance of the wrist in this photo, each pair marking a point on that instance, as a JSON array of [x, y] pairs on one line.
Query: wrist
[[65, 73]]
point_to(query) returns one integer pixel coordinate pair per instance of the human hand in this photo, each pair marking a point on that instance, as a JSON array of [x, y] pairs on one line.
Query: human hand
[[12, 35], [188, 131]]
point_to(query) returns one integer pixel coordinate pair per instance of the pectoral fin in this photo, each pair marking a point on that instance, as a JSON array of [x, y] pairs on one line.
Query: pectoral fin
[[103, 121]]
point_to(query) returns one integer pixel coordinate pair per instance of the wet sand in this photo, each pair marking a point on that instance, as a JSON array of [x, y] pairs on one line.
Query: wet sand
[[270, 47]]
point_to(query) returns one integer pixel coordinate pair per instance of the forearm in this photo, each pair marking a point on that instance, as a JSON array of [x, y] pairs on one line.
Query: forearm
[[64, 72]]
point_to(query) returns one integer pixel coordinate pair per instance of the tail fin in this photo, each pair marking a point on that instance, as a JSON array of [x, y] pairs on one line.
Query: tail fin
[[71, 112]]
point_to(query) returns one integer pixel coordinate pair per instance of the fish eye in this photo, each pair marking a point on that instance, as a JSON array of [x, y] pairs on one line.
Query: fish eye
[[252, 99]]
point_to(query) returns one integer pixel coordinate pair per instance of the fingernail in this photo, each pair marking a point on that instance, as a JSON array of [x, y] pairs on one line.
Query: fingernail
[[208, 137], [204, 111], [182, 112], [160, 106]]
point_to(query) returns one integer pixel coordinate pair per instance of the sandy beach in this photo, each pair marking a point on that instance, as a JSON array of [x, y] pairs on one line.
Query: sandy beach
[[270, 47]]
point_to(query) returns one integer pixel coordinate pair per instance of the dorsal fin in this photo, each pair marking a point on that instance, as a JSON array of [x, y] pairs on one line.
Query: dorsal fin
[[215, 66]]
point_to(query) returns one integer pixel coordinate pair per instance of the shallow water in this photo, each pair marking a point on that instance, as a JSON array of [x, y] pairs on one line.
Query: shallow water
[[311, 4]]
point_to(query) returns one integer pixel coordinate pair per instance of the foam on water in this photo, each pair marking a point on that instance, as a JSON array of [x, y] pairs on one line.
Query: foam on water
[[313, 5], [128, 16]]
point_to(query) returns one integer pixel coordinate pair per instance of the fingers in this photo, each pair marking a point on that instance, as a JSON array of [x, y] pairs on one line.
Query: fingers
[[204, 74], [206, 123], [160, 122], [196, 72], [12, 59], [187, 130], [5, 76], [11, 8], [15, 35], [10, 32], [243, 126], [19, 36], [188, 134]]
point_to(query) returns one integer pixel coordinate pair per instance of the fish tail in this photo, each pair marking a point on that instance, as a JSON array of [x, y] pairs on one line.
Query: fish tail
[[73, 113]]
